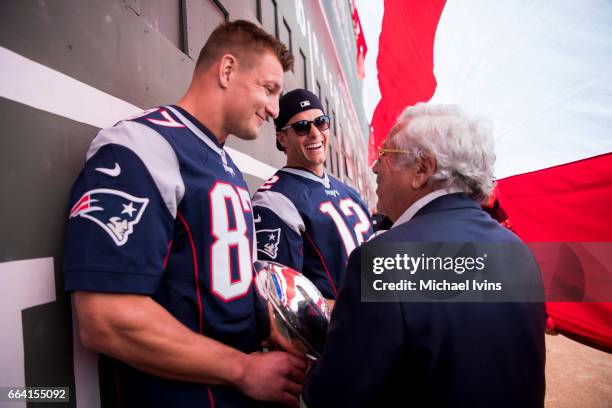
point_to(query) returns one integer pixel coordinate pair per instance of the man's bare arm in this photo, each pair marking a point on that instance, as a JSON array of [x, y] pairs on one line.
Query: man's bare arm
[[138, 331]]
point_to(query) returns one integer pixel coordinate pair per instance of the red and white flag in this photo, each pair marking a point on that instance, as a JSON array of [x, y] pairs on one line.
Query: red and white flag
[[362, 48], [541, 72]]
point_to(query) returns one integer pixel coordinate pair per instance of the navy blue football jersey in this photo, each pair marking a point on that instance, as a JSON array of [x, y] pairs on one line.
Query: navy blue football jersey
[[311, 224], [161, 210]]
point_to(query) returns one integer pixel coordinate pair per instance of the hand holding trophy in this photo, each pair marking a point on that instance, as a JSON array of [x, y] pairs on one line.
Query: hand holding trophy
[[298, 313]]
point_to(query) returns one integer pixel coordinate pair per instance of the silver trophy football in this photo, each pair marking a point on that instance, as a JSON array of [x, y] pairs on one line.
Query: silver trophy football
[[299, 313]]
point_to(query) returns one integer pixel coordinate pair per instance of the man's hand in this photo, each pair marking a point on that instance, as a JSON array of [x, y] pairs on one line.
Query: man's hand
[[137, 330], [330, 304], [274, 376]]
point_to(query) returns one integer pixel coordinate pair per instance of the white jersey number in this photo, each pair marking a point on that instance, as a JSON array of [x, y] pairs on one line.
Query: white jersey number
[[348, 208], [228, 238]]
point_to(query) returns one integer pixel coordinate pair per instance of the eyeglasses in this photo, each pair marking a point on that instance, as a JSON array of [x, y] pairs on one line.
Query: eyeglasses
[[382, 152], [302, 127]]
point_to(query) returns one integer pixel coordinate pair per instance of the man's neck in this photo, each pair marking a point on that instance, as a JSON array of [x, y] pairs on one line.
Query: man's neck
[[205, 112], [318, 171]]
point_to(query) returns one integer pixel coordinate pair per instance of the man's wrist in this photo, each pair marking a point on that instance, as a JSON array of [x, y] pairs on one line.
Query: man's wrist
[[237, 369]]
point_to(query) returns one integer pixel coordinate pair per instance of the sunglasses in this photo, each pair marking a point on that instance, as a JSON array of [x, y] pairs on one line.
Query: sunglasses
[[383, 152], [302, 127]]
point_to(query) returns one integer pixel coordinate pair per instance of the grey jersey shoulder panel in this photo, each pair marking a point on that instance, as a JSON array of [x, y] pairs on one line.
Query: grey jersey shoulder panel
[[156, 153], [282, 207]]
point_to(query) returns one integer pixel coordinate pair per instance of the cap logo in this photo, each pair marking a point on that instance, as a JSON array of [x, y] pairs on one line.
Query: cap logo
[[304, 103]]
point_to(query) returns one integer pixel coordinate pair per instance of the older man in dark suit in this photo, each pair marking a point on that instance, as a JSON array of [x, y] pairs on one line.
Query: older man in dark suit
[[434, 169]]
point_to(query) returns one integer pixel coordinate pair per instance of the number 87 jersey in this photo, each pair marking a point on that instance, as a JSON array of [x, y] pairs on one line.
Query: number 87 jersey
[[160, 210], [311, 224]]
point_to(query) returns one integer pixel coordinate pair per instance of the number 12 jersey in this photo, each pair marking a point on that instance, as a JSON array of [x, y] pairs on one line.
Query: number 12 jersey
[[311, 224]]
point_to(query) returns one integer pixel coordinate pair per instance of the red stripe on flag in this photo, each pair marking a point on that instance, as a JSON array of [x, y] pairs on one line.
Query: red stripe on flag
[[405, 62], [567, 203], [362, 48]]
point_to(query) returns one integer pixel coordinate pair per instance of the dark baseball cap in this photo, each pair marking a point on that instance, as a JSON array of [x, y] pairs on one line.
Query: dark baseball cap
[[294, 102]]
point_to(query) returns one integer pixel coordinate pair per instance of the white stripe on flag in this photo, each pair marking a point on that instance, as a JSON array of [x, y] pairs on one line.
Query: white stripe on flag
[[540, 71]]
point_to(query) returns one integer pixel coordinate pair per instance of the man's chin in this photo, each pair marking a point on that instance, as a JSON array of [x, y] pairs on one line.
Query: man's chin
[[315, 158], [250, 135]]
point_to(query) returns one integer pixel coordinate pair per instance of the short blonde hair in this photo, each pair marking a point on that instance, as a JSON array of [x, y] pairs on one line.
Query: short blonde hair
[[246, 41]]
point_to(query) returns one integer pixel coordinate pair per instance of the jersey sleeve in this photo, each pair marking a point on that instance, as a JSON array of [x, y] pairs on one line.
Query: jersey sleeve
[[278, 225], [120, 223], [276, 241], [370, 231]]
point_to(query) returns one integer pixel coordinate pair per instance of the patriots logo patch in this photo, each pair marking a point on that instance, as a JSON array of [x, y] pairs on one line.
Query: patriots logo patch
[[113, 210], [267, 241]]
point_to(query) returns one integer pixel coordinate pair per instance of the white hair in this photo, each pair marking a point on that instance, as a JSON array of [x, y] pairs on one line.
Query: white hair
[[461, 145]]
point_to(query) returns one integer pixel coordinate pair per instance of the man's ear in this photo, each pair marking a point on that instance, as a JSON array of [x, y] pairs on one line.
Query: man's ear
[[425, 167], [228, 64], [282, 139]]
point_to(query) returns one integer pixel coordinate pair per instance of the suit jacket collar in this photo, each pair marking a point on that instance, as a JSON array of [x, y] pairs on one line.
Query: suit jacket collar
[[449, 202], [421, 203]]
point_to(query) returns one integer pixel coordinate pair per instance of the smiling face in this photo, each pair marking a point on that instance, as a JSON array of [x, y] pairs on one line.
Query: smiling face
[[388, 185], [401, 182], [394, 182], [253, 96], [308, 151]]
